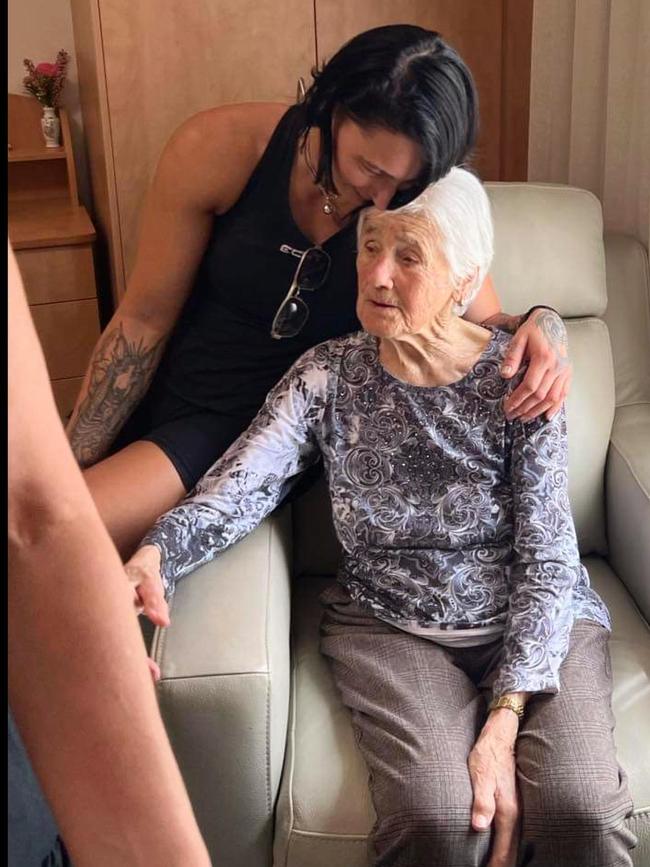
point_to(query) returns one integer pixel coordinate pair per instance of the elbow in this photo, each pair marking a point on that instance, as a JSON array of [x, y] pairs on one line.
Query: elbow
[[34, 521]]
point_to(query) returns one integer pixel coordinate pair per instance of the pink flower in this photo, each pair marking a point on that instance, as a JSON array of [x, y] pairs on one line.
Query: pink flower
[[47, 69]]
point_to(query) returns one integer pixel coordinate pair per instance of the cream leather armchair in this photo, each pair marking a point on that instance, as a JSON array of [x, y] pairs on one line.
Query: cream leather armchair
[[263, 741]]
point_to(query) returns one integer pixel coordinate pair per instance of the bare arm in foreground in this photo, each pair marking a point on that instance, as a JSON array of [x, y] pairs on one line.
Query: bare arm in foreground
[[79, 686]]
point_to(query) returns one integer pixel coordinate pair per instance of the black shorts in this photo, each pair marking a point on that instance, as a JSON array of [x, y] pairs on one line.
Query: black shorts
[[194, 443]]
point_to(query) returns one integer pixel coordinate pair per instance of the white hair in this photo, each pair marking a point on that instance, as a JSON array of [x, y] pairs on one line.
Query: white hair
[[458, 208]]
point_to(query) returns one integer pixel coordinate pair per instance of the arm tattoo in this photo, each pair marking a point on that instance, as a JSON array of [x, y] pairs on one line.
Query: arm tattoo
[[552, 327], [120, 373]]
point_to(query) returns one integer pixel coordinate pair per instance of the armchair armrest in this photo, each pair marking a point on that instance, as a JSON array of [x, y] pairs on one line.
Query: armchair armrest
[[224, 690], [628, 501]]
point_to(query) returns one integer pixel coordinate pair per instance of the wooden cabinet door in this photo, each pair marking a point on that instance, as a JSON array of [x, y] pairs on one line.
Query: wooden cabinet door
[[492, 36], [166, 60], [68, 332]]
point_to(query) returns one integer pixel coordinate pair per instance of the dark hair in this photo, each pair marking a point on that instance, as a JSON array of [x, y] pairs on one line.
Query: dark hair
[[402, 78]]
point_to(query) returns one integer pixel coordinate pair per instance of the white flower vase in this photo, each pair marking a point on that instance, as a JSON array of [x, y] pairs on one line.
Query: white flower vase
[[51, 126]]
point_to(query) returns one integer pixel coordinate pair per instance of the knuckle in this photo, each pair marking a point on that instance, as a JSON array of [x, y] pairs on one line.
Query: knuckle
[[483, 804]]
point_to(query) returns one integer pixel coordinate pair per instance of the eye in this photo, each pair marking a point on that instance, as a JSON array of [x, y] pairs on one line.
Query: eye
[[370, 170], [410, 259], [371, 246]]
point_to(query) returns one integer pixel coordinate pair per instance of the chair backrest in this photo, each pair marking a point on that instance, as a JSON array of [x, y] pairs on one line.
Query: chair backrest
[[548, 250], [628, 317]]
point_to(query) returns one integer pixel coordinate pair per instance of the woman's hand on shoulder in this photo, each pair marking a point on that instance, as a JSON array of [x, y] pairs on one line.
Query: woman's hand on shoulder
[[143, 571], [541, 342], [492, 771]]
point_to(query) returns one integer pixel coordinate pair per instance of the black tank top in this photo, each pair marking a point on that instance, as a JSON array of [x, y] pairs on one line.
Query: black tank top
[[221, 357]]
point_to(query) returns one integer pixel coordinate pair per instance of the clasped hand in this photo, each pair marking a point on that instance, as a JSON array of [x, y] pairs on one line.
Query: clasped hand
[[144, 575], [492, 770]]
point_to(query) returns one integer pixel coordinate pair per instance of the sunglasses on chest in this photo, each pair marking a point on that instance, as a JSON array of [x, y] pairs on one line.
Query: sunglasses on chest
[[311, 273]]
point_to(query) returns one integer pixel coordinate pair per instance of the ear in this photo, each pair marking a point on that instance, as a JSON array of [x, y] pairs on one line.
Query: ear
[[464, 287]]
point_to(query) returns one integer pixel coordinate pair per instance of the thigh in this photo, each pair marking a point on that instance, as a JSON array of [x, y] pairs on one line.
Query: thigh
[[572, 787], [573, 728], [131, 489], [416, 713]]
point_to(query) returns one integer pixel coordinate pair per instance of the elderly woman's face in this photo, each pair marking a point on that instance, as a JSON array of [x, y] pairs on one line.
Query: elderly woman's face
[[403, 277]]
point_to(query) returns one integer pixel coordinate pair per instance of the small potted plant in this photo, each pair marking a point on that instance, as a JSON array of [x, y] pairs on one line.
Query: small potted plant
[[45, 82]]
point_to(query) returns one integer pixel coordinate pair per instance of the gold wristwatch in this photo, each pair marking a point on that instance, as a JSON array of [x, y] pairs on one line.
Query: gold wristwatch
[[517, 705]]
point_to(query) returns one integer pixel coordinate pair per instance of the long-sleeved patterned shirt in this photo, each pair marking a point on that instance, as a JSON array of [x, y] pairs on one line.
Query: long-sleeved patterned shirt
[[450, 517]]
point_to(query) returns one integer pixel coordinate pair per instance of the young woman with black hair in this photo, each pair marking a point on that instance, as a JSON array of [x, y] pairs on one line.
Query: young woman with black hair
[[246, 259]]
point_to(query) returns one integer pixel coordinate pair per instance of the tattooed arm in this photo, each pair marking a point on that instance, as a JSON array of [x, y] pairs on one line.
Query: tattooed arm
[[120, 372], [202, 172], [177, 218]]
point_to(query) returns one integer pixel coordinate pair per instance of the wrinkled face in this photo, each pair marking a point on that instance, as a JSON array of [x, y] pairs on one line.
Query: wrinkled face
[[373, 162], [403, 276]]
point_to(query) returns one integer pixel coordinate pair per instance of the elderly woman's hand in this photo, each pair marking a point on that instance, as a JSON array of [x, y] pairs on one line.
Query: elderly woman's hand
[[494, 783], [143, 572], [542, 341]]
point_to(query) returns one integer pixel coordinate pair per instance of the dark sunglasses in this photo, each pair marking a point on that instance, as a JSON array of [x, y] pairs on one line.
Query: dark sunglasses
[[311, 273]]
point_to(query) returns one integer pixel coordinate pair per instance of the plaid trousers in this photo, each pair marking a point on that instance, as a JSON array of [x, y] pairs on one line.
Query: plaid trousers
[[417, 709]]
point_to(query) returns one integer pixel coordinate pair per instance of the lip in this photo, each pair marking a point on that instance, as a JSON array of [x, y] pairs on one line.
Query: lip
[[380, 304]]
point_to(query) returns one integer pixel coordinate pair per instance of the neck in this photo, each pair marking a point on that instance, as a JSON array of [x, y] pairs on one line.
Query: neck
[[442, 353]]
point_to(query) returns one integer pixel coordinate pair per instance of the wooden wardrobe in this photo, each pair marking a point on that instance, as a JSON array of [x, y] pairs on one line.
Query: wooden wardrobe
[[145, 67]]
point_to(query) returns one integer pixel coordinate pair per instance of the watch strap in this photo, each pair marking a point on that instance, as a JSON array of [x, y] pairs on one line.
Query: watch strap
[[513, 704]]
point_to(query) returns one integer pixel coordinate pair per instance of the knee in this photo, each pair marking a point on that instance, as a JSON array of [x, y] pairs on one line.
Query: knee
[[576, 809], [417, 825]]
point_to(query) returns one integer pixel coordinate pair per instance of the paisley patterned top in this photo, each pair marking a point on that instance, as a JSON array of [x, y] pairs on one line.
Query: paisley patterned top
[[449, 516]]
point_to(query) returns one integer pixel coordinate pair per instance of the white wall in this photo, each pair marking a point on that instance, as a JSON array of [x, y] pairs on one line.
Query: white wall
[[37, 29]]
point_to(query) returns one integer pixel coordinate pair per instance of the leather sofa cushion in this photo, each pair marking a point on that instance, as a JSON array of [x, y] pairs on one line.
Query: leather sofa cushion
[[628, 317], [548, 248], [628, 500]]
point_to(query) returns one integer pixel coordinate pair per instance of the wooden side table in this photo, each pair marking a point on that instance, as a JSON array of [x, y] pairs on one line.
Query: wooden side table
[[52, 236]]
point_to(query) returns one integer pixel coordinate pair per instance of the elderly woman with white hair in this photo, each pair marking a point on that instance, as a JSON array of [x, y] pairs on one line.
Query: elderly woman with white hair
[[462, 631]]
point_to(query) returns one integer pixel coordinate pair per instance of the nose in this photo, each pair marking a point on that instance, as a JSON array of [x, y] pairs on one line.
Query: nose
[[381, 272], [381, 195]]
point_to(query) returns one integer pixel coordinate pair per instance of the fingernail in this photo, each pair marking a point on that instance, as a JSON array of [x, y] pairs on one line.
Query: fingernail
[[507, 368], [481, 821]]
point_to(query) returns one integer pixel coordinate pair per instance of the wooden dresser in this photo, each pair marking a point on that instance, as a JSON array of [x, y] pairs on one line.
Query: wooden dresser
[[52, 236]]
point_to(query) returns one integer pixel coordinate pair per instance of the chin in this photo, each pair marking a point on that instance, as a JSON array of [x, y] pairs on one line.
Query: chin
[[375, 322], [373, 325]]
